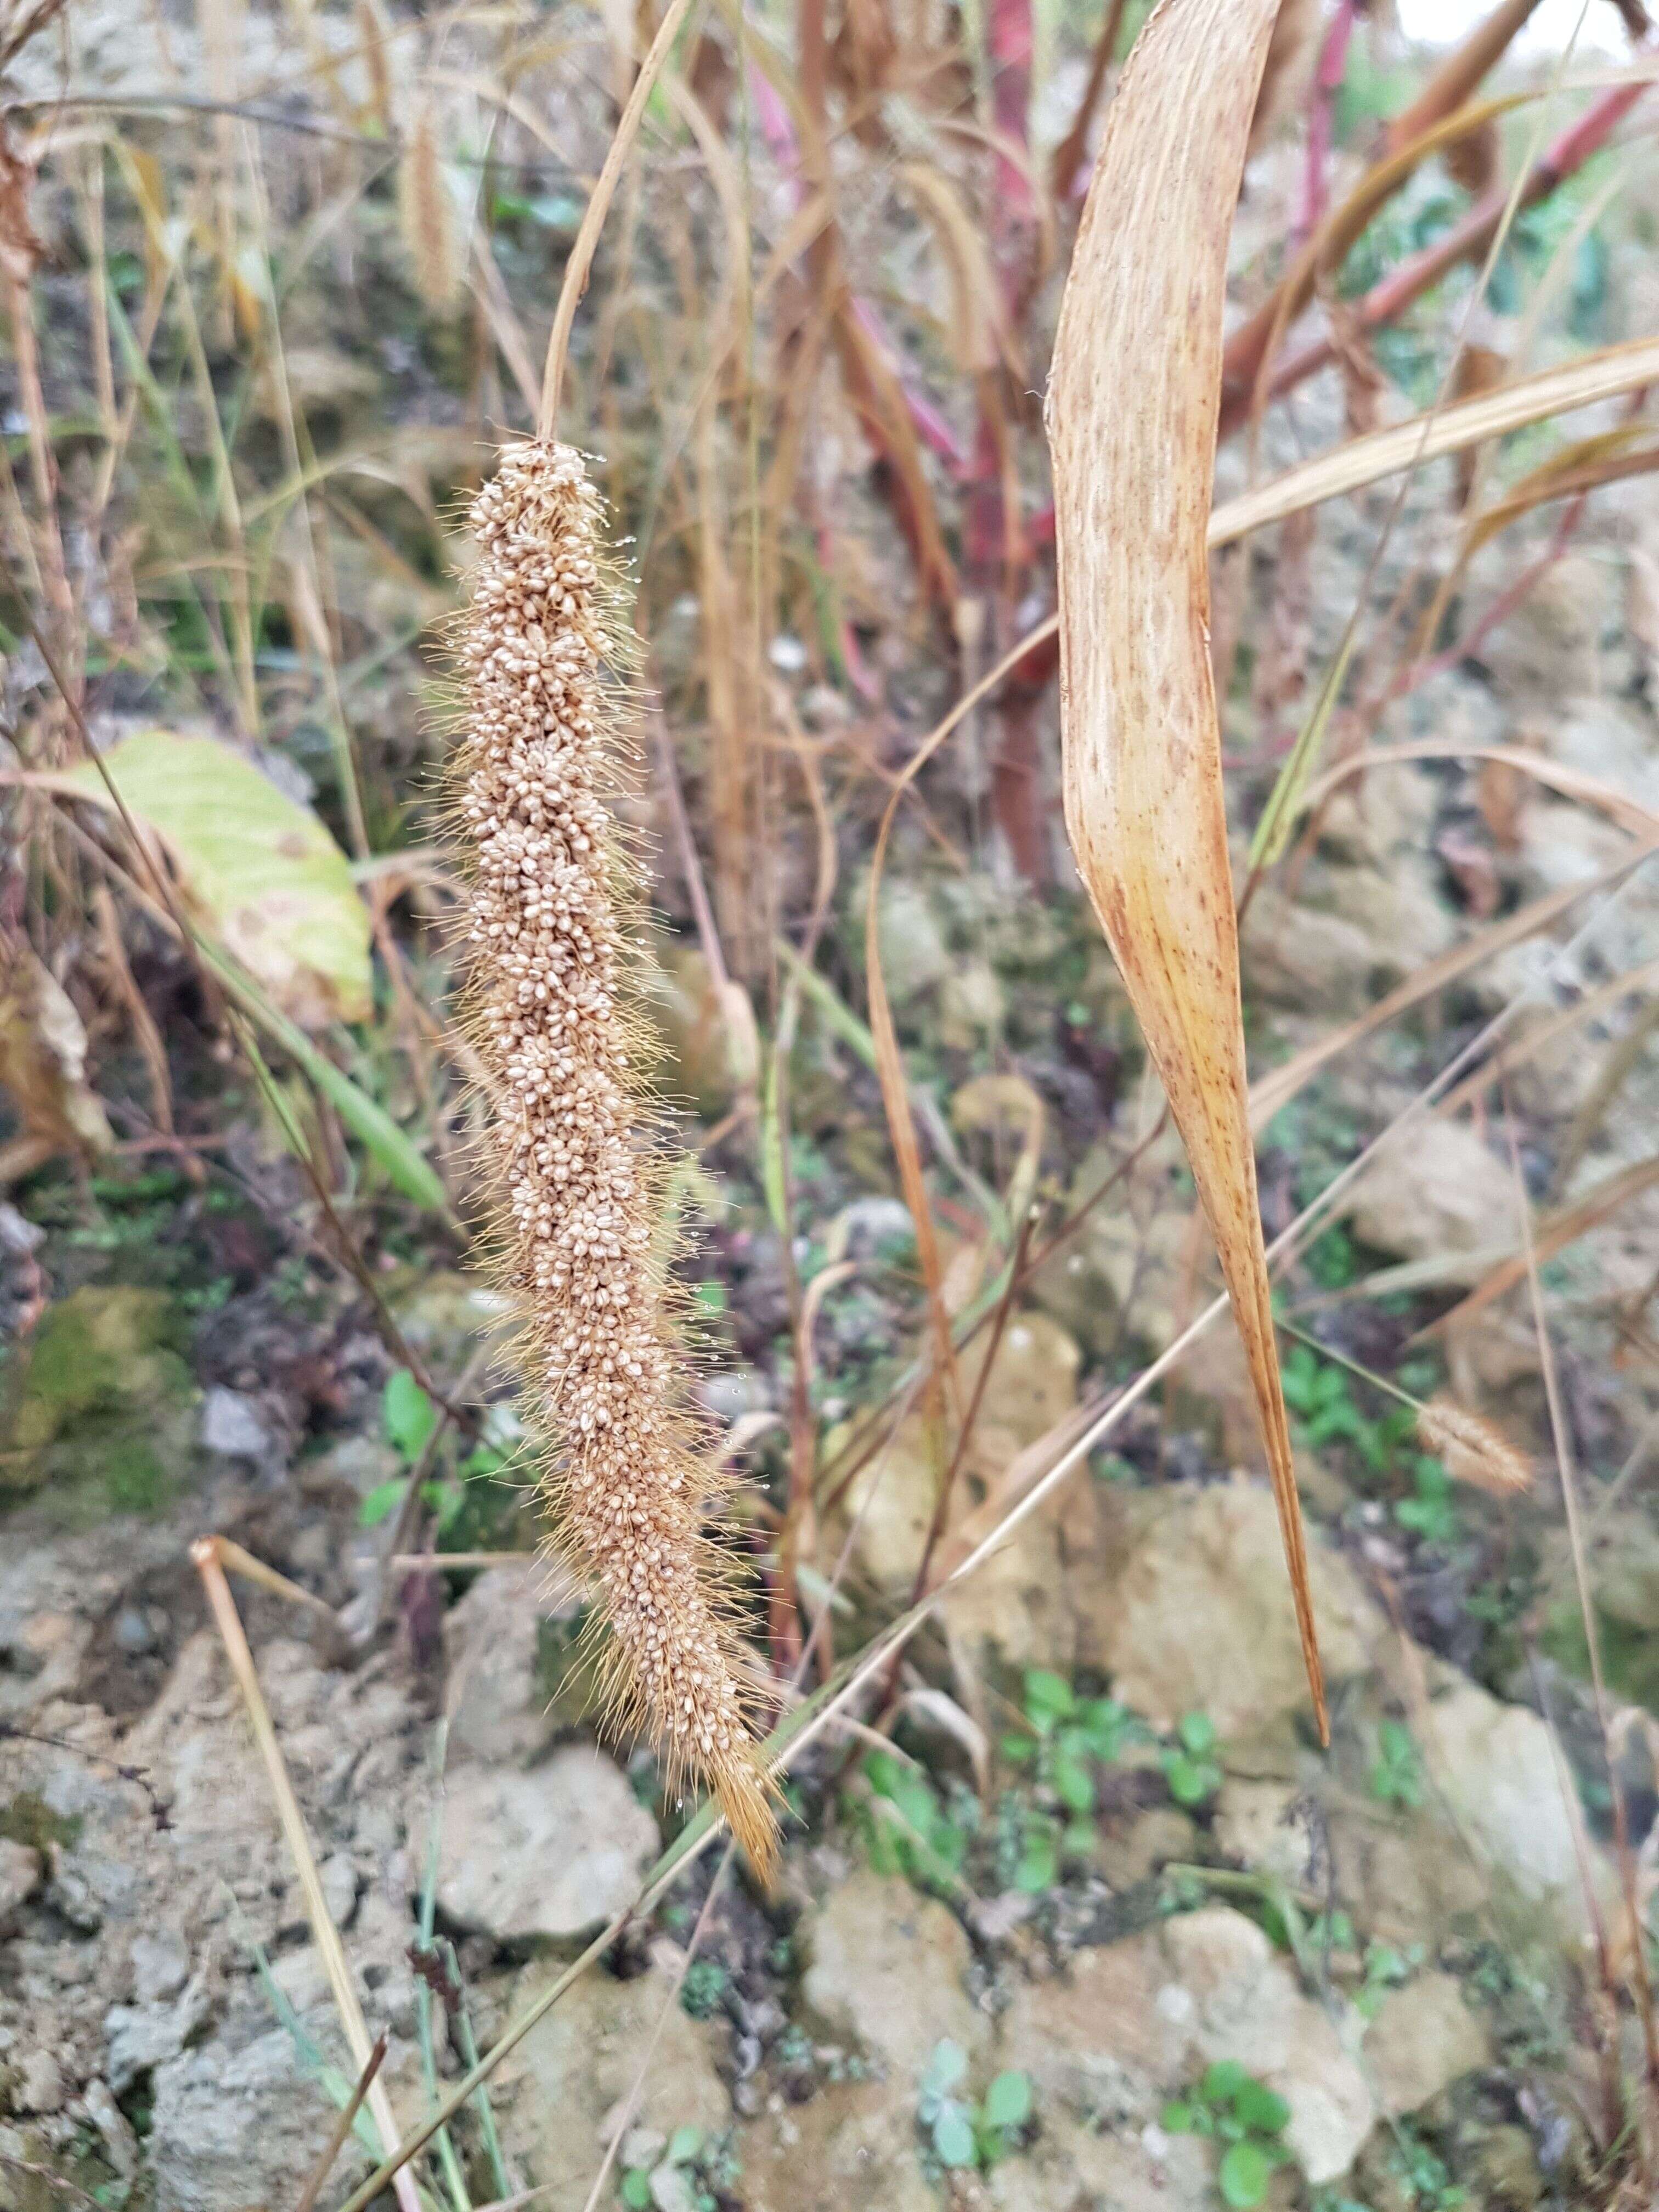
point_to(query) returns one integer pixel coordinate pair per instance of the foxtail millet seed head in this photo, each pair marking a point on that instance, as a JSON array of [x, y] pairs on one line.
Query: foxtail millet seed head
[[1472, 1448], [626, 1483]]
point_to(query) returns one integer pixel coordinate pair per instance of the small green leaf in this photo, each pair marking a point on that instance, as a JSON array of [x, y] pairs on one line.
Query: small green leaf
[[637, 2190], [1242, 2176], [1176, 2118], [1223, 2080], [1048, 1698], [1039, 1866], [1197, 1734], [1008, 2101], [683, 2145], [1261, 2108], [1018, 1750], [953, 2139], [409, 1414], [384, 1499], [1074, 1785], [947, 2068], [1077, 1839]]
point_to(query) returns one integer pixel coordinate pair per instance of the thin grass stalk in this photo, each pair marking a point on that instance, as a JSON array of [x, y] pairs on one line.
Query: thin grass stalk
[[207, 1557], [1566, 1467]]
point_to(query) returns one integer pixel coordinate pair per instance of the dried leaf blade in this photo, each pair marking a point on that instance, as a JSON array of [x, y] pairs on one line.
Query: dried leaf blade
[[1132, 410]]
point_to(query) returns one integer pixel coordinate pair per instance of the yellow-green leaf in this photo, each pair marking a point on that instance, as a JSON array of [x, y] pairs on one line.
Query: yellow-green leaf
[[258, 872]]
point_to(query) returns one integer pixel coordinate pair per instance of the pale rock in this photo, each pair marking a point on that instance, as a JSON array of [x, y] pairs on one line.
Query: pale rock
[[234, 1425], [338, 1878], [1352, 934], [1255, 1821], [672, 2189], [1437, 1193], [496, 1711], [564, 2090], [1303, 957], [971, 1005], [853, 2147], [1151, 1840], [1212, 1557], [1071, 2166], [140, 2038], [1017, 1602], [41, 2087], [1423, 2038], [1249, 2006], [914, 956], [551, 1852], [1552, 651], [1121, 2028], [20, 1870], [885, 1969], [1093, 2038], [1499, 1776], [234, 2126]]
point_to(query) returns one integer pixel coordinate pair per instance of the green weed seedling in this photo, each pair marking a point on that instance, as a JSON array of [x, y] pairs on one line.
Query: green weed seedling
[[1431, 1511], [408, 1418], [707, 2164], [1066, 1738], [906, 1825], [1190, 1767], [1397, 1774], [704, 1991], [1424, 2176], [964, 2136], [1245, 2118]]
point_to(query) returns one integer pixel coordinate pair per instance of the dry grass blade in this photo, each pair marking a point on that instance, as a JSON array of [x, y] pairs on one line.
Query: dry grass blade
[[1572, 783], [1608, 1198], [208, 1556], [1598, 376], [1132, 409], [1280, 1084]]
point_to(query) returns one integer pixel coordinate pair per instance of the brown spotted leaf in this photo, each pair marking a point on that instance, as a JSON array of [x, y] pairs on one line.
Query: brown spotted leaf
[[1133, 408]]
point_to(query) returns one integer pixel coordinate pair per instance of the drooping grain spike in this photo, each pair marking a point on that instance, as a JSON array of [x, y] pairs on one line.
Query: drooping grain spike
[[626, 1483]]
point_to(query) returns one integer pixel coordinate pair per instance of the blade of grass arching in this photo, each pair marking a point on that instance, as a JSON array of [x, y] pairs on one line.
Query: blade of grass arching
[[1605, 374], [205, 1557], [1132, 410], [345, 2121], [334, 2085], [405, 1167], [1571, 782], [1288, 797]]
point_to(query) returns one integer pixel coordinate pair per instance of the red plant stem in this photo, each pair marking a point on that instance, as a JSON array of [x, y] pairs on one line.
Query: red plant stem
[[1328, 78], [1068, 154], [1465, 241], [1500, 610]]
